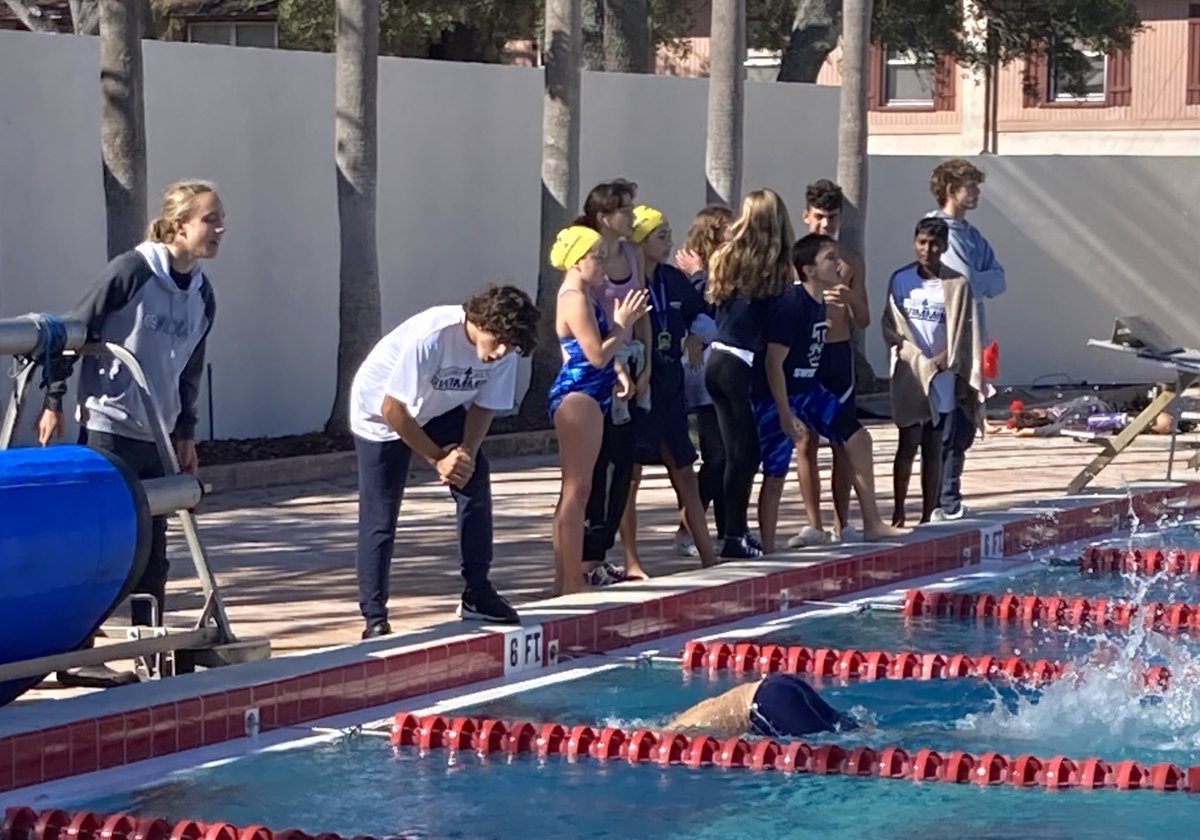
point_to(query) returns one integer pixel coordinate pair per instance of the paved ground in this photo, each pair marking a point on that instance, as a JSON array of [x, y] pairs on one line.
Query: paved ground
[[284, 556]]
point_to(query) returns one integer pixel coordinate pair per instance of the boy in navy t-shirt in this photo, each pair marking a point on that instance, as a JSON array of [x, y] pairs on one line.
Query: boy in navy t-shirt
[[788, 398]]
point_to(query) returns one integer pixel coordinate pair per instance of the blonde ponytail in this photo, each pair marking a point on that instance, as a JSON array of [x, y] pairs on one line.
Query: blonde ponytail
[[177, 202]]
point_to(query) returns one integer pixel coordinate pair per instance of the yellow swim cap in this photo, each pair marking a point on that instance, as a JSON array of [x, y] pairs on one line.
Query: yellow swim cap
[[571, 245], [645, 220]]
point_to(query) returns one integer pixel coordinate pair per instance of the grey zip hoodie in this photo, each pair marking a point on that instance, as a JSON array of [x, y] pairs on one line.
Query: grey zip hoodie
[[138, 305]]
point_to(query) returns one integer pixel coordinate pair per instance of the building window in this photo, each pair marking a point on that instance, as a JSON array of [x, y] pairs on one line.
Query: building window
[[235, 34], [909, 78], [1095, 81]]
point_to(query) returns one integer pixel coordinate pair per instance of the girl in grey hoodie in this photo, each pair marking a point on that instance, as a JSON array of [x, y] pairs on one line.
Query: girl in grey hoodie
[[157, 303]]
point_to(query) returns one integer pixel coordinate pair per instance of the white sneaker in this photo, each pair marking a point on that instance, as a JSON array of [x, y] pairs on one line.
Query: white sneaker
[[850, 534], [685, 547], [940, 515], [808, 537]]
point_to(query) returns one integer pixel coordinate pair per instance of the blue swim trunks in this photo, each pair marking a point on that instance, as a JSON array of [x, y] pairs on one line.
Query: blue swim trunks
[[817, 408]]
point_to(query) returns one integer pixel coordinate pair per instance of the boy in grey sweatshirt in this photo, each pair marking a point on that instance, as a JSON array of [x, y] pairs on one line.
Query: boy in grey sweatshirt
[[955, 186]]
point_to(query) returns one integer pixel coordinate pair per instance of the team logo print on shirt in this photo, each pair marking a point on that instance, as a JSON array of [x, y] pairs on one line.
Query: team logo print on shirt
[[920, 309], [815, 348], [460, 379], [159, 323]]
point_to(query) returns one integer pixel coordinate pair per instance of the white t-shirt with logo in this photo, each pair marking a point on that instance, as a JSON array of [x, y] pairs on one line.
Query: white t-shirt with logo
[[428, 364], [924, 302]]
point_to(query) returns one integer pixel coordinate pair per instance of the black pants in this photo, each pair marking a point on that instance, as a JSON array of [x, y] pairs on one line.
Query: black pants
[[142, 457], [958, 433], [728, 381], [382, 476], [611, 478], [712, 464]]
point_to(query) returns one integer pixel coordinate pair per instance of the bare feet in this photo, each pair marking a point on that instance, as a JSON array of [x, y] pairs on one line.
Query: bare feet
[[884, 532]]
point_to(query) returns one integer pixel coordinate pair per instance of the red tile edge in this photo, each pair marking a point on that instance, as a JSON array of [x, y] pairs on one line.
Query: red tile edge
[[39, 756]]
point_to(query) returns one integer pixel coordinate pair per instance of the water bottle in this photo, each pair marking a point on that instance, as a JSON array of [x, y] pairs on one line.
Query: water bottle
[[1107, 422]]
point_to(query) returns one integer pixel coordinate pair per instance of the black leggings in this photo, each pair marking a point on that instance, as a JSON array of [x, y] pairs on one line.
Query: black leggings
[[728, 381], [712, 464]]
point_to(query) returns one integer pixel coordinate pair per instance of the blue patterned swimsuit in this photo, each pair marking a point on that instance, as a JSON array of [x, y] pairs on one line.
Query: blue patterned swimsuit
[[578, 374]]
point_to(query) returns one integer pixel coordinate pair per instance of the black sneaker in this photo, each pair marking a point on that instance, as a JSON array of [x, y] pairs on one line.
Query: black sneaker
[[374, 631], [483, 603], [740, 548]]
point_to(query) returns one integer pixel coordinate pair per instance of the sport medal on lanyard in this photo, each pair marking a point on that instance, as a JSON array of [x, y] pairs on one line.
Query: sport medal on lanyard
[[661, 314]]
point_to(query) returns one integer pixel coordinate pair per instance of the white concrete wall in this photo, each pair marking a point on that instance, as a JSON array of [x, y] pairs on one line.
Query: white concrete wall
[[459, 200]]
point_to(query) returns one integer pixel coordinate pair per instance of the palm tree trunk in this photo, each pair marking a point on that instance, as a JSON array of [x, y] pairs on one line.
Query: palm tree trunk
[[814, 37], [627, 36], [356, 137], [122, 123], [561, 55], [852, 149], [726, 85]]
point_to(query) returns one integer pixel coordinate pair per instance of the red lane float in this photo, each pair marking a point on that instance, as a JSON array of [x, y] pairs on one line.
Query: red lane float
[[644, 746], [1134, 561], [874, 665], [24, 823], [1056, 610]]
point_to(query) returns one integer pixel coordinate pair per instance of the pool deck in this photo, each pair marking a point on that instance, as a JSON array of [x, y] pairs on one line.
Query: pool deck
[[284, 556]]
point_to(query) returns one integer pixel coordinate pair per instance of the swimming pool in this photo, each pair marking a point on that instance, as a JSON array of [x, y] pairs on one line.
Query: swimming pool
[[384, 791]]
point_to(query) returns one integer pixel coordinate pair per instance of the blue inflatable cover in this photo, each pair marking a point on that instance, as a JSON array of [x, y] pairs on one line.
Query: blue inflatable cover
[[68, 544]]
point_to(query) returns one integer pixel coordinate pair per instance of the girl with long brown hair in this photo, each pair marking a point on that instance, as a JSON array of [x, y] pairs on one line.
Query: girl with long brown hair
[[749, 275]]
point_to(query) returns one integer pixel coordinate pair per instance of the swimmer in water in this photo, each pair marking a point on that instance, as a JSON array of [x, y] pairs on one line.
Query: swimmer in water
[[778, 706]]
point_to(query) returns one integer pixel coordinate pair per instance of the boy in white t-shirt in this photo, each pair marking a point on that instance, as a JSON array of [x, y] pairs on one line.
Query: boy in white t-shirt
[[931, 326], [431, 386]]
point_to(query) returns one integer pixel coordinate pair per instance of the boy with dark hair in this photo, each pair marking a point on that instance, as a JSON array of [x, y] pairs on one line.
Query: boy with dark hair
[[431, 386], [847, 309], [937, 376], [789, 401], [955, 186]]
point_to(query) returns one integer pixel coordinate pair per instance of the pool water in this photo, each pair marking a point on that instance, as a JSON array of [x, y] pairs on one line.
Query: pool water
[[362, 785]]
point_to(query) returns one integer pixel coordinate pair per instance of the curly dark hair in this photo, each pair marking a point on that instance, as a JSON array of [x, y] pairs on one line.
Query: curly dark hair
[[951, 174], [507, 313], [824, 195]]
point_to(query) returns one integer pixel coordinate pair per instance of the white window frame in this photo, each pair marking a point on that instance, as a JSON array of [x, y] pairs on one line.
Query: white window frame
[[908, 59], [1059, 96], [233, 26]]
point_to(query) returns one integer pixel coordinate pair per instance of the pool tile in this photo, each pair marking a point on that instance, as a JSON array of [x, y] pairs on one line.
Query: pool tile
[[407, 674], [189, 723], [437, 668], [333, 690], [27, 760], [164, 729], [238, 700], [137, 735], [85, 747], [56, 753], [310, 698], [487, 655], [6, 763], [375, 684], [110, 734], [287, 702], [612, 628], [265, 699], [215, 728]]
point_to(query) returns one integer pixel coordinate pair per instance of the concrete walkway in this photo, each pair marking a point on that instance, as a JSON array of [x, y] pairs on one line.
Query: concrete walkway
[[285, 556]]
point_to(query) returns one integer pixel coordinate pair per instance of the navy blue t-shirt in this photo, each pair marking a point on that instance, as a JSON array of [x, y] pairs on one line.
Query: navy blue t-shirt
[[744, 323], [808, 342], [676, 304], [779, 327]]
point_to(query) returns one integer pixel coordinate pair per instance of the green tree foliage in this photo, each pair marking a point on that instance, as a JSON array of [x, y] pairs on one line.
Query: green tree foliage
[[463, 30], [1016, 29]]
